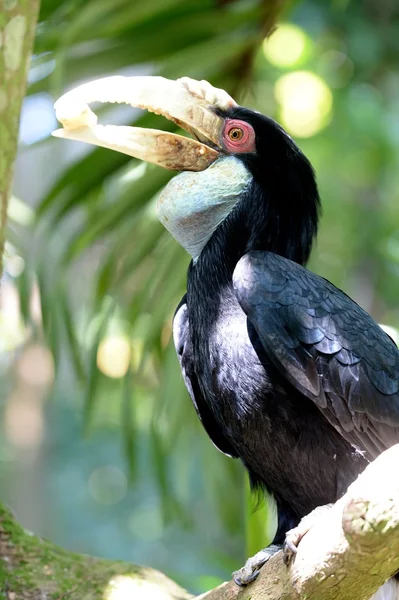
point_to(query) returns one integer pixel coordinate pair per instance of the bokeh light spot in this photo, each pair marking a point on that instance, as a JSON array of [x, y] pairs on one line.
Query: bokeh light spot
[[23, 419], [305, 102], [12, 329], [285, 47], [107, 485], [113, 356], [14, 265], [36, 366]]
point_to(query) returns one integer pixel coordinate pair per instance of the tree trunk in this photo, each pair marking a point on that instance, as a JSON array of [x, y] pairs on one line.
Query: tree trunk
[[17, 30]]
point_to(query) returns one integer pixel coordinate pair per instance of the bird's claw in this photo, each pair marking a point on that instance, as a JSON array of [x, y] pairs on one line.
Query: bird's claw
[[250, 571], [294, 536], [290, 546]]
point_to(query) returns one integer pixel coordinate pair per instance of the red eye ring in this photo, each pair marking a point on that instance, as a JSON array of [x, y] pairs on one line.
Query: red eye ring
[[238, 136]]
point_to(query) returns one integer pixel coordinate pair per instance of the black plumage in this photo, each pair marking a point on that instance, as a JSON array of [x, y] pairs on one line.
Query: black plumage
[[285, 371], [328, 347]]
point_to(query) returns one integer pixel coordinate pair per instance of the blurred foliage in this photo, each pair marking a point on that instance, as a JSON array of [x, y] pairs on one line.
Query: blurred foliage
[[108, 275]]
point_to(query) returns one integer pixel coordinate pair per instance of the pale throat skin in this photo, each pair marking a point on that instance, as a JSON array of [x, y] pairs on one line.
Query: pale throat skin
[[193, 204]]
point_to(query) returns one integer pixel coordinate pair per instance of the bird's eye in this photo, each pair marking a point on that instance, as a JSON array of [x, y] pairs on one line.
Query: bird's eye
[[235, 134], [238, 136]]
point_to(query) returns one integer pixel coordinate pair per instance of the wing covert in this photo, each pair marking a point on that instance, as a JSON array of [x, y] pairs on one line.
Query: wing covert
[[326, 345]]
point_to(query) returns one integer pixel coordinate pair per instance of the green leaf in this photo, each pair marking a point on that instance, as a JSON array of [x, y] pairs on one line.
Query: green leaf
[[122, 209], [94, 374], [49, 311], [71, 335], [128, 424]]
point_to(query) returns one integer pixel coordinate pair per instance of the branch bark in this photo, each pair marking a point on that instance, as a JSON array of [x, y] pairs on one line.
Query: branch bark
[[347, 555]]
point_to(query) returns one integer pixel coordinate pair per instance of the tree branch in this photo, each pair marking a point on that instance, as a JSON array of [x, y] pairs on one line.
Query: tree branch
[[347, 555]]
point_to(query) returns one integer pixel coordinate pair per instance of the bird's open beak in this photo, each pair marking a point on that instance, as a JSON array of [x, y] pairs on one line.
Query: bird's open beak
[[189, 103]]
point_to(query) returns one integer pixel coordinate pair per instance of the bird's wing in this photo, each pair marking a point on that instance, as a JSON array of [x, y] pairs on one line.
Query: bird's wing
[[184, 352], [328, 347]]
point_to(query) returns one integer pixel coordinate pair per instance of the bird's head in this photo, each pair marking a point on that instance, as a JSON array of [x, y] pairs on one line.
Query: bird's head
[[242, 178]]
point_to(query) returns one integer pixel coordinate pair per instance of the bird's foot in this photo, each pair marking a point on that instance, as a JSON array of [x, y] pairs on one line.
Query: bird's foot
[[250, 570], [294, 536]]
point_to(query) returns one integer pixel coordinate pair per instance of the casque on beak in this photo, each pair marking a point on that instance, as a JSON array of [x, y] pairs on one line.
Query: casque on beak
[[189, 103]]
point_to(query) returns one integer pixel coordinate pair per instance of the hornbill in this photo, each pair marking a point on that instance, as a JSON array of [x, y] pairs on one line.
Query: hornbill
[[285, 371]]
